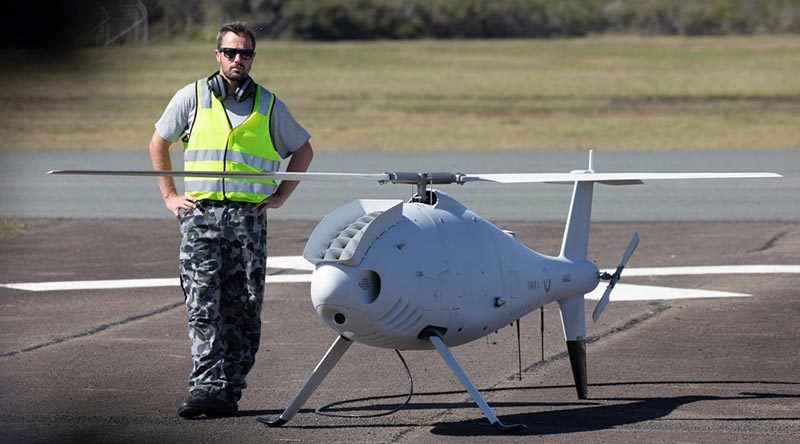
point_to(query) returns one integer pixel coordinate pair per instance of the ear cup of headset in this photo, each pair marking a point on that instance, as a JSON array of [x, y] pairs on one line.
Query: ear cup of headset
[[245, 89], [217, 84]]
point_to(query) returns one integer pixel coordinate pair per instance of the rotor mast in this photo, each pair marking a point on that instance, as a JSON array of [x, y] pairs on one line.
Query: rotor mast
[[423, 181]]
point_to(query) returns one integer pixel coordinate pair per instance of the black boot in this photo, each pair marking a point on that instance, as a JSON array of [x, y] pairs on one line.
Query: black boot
[[202, 403]]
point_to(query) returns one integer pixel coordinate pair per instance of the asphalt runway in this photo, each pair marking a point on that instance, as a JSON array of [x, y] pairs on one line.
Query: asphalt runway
[[111, 365]]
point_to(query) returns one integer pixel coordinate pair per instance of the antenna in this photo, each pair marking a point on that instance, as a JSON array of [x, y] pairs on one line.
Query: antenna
[[591, 161], [541, 310], [519, 352]]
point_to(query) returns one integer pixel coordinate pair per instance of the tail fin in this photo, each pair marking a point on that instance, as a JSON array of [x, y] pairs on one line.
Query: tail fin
[[576, 234], [575, 246]]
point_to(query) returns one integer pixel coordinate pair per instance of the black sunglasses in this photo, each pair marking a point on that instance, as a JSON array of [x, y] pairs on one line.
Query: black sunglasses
[[230, 53]]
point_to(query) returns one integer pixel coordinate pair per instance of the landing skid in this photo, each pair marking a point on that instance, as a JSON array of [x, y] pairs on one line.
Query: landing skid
[[336, 351], [332, 356], [436, 339]]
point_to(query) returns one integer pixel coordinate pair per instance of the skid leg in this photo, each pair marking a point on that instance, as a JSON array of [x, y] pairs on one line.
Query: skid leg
[[436, 339], [328, 362]]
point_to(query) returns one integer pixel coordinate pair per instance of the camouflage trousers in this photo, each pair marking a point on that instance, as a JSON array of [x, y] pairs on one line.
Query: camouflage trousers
[[222, 263]]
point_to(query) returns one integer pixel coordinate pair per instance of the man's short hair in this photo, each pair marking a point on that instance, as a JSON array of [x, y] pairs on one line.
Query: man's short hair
[[241, 29]]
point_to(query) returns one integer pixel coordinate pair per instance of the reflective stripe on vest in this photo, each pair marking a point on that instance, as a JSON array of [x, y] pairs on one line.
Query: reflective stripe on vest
[[213, 146], [201, 155]]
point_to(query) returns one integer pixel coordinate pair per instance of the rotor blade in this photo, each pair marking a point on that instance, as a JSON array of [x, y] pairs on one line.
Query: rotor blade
[[230, 175], [601, 304], [631, 248], [607, 178], [507, 178]]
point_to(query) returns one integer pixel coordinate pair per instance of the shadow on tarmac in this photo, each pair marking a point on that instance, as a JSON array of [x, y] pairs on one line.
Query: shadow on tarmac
[[602, 417], [590, 415]]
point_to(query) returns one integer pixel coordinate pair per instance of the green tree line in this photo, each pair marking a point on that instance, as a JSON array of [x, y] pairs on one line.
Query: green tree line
[[69, 23], [411, 19]]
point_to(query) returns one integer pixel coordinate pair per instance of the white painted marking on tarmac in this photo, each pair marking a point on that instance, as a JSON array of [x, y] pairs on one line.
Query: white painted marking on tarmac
[[94, 285], [284, 278], [628, 292], [280, 262], [704, 270], [132, 283], [298, 263], [290, 263]]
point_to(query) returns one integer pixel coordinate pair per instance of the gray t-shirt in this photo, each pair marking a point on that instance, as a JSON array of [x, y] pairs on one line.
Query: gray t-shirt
[[287, 134]]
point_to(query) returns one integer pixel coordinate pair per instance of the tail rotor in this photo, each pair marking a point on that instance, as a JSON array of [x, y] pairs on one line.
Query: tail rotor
[[614, 278]]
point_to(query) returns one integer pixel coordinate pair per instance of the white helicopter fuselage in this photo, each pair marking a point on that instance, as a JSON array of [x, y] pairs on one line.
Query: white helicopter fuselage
[[381, 279]]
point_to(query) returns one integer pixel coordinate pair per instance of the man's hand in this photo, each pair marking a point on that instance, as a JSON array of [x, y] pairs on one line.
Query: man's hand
[[301, 158], [159, 156], [273, 201], [177, 202]]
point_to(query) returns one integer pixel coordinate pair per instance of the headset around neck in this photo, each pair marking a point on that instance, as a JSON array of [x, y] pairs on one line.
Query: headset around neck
[[246, 88]]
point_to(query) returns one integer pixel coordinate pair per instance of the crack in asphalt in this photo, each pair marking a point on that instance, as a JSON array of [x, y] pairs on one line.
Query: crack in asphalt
[[92, 331], [771, 242]]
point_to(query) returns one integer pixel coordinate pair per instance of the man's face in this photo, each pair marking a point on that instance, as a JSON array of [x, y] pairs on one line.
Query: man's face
[[234, 67]]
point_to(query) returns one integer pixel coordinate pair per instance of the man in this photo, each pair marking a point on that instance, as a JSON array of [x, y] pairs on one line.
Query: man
[[227, 123]]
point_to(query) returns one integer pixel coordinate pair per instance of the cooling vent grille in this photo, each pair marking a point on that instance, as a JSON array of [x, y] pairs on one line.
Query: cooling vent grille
[[344, 244]]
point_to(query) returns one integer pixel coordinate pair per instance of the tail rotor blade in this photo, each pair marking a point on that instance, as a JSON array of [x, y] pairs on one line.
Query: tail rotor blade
[[631, 248], [601, 304]]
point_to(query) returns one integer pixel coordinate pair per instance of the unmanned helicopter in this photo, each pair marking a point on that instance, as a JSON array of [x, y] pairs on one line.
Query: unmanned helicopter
[[429, 273]]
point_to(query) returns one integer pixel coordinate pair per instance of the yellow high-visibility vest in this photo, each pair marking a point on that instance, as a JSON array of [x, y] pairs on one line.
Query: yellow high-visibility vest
[[214, 146]]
